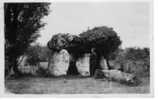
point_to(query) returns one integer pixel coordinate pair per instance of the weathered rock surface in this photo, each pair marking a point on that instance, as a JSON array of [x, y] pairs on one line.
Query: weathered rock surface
[[103, 64], [83, 65], [25, 68], [118, 75], [59, 63], [115, 75]]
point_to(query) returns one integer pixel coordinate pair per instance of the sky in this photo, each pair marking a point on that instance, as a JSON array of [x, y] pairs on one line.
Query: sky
[[131, 20]]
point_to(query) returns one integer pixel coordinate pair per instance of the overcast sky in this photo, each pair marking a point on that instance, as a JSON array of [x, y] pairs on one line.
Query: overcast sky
[[131, 20]]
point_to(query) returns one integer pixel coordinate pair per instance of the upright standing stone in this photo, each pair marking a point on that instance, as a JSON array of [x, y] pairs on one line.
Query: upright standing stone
[[103, 64], [83, 65], [59, 63], [25, 68], [23, 64]]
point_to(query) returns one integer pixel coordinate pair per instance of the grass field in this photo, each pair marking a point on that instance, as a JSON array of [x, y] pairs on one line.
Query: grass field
[[72, 85]]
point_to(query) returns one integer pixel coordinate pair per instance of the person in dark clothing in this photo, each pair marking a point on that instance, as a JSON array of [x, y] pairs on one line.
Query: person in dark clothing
[[94, 62]]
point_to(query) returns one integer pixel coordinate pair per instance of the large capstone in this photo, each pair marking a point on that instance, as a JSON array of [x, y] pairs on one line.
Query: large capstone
[[83, 65], [59, 63]]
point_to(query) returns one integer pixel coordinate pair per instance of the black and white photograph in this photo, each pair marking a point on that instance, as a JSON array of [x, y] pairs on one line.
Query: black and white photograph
[[78, 47]]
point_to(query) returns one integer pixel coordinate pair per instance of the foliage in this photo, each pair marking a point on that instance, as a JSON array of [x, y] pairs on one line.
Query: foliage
[[133, 60], [132, 54], [33, 55], [137, 53], [37, 54], [103, 39], [22, 24], [44, 53]]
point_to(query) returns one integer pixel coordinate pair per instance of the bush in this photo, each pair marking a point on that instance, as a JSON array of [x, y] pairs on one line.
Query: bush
[[37, 54], [132, 60], [33, 55]]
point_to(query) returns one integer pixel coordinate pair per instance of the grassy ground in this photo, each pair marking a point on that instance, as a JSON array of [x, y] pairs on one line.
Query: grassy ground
[[72, 85]]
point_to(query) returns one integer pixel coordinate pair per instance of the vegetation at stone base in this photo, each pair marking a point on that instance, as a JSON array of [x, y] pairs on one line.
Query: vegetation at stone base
[[22, 24], [72, 70], [43, 72]]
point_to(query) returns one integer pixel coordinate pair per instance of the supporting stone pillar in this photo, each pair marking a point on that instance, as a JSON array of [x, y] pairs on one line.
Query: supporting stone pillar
[[59, 63], [83, 65], [103, 63]]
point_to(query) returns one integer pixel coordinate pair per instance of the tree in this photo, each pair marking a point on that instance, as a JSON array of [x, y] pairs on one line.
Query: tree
[[22, 24], [103, 39], [137, 53], [38, 52], [44, 53], [32, 54]]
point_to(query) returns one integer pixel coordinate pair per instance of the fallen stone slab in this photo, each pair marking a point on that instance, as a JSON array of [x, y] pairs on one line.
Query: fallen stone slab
[[116, 75], [99, 74]]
